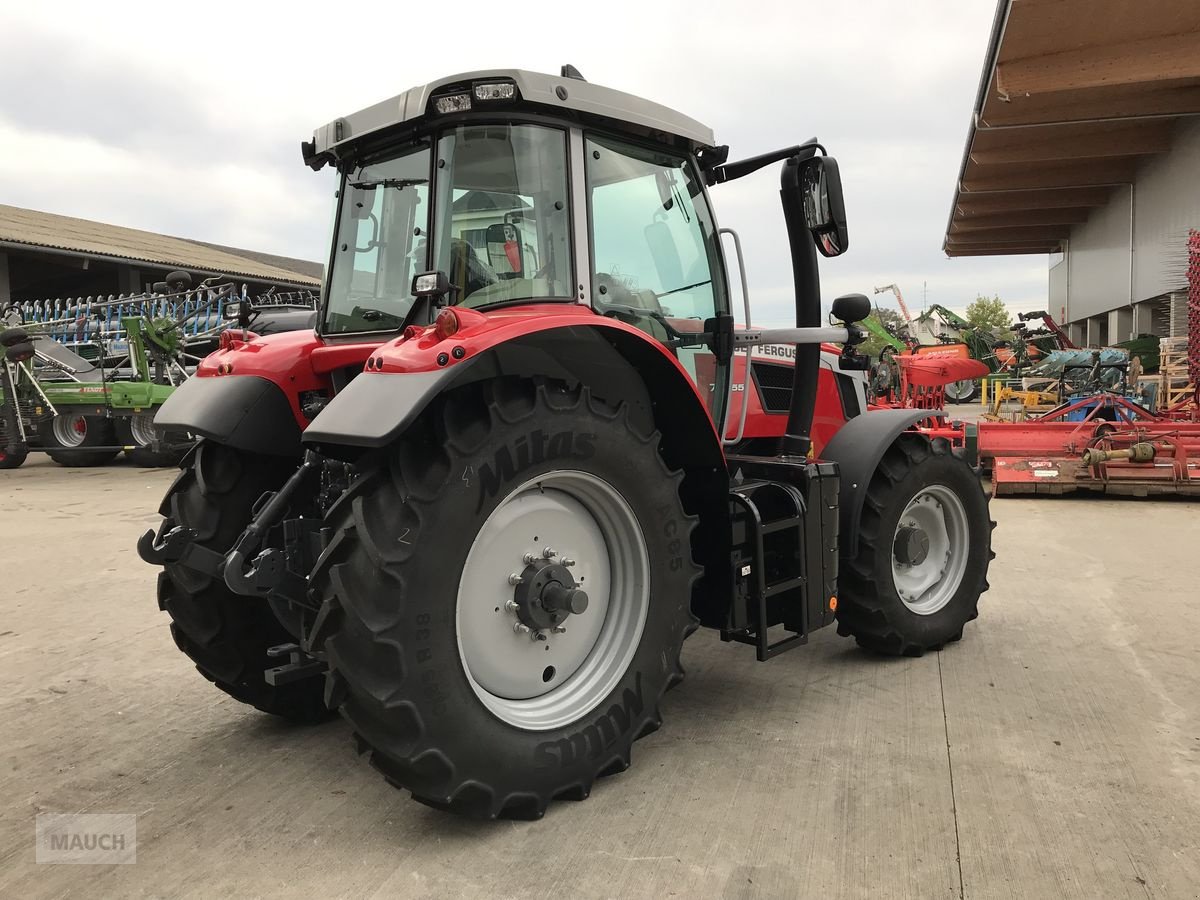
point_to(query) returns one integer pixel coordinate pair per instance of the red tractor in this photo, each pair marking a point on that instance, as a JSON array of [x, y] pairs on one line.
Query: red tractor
[[479, 509]]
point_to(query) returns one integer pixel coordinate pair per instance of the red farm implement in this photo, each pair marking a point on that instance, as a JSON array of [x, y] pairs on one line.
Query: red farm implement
[[1105, 443]]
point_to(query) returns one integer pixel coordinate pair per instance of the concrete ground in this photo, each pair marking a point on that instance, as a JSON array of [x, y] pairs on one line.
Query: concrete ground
[[1054, 752]]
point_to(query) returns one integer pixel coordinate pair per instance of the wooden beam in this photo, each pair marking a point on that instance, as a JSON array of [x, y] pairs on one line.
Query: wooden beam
[[1019, 219], [1048, 175], [1033, 234], [1147, 61], [977, 203], [1083, 141], [1119, 102], [993, 250]]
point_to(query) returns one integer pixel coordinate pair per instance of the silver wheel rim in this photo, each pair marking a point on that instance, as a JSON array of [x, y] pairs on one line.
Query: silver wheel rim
[[956, 390], [540, 684], [927, 584], [141, 429], [70, 431]]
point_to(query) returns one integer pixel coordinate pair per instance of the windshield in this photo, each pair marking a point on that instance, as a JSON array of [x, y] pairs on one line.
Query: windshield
[[503, 214], [382, 230]]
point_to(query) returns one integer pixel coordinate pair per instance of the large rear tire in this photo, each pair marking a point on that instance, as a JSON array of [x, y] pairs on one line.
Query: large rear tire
[[70, 440], [925, 542], [225, 634], [430, 658]]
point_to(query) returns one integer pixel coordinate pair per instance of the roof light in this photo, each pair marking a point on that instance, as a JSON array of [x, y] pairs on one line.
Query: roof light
[[495, 90], [452, 103]]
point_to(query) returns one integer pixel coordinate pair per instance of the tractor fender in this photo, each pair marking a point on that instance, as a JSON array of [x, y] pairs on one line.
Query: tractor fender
[[247, 412], [616, 361], [857, 448]]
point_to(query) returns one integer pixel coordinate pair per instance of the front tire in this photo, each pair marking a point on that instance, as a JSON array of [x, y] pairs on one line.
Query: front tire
[[225, 634], [923, 551], [428, 660], [962, 391], [137, 431]]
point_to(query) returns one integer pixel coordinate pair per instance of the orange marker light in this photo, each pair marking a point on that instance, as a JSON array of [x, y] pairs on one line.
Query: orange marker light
[[446, 324], [833, 604]]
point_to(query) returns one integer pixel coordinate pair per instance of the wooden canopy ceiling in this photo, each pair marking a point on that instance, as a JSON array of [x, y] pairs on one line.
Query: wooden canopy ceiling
[[1074, 93]]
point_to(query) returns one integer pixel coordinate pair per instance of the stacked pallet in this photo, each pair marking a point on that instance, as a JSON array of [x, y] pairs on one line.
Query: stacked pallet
[[1175, 380]]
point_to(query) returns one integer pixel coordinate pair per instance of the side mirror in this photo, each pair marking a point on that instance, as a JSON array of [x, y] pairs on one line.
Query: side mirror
[[232, 310], [851, 307], [824, 206], [506, 255]]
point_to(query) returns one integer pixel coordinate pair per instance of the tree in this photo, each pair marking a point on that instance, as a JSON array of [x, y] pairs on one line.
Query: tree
[[987, 312]]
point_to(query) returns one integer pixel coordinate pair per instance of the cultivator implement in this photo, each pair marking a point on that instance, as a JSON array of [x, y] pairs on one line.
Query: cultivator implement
[[1106, 443]]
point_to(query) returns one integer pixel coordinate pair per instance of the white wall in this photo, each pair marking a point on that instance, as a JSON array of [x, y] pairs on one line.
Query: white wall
[[1166, 204], [1099, 259]]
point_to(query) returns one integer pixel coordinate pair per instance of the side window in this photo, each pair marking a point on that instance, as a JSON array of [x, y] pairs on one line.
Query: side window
[[655, 257]]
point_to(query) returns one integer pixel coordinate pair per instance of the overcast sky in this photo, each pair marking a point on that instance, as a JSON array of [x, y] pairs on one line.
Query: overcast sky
[[190, 124]]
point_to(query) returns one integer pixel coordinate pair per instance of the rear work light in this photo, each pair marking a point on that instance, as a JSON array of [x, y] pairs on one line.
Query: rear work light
[[452, 103], [495, 90]]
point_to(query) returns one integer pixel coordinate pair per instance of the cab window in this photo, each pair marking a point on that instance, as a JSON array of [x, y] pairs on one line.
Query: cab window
[[655, 257]]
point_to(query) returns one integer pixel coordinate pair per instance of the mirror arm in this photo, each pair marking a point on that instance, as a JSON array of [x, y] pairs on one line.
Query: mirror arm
[[730, 171]]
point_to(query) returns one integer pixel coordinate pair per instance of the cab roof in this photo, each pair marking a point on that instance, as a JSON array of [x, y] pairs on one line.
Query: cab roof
[[563, 94]]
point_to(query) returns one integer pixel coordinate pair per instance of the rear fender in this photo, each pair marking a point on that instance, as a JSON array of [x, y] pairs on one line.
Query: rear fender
[[857, 448], [248, 394]]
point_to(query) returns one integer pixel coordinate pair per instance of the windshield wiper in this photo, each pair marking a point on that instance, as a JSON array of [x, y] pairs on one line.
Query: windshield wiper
[[388, 182], [686, 287]]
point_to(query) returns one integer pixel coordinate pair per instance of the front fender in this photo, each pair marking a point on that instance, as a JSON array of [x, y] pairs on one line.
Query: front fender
[[243, 411], [857, 448]]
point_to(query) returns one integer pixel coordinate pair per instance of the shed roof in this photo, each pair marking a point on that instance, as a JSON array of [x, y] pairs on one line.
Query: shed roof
[[1074, 93], [33, 228]]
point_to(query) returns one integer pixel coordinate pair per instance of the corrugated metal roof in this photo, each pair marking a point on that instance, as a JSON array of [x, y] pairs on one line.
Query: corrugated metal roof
[[88, 238]]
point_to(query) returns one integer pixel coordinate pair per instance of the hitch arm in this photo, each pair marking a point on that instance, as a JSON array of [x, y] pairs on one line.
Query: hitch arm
[[268, 571]]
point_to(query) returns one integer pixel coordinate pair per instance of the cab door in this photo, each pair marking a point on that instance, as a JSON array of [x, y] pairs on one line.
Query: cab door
[[655, 254]]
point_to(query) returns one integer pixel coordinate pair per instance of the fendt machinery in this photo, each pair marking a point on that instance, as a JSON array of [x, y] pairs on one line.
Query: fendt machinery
[[525, 452]]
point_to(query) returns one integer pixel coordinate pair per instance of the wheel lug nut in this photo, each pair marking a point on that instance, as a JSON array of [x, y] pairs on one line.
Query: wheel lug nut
[[515, 579], [547, 552], [566, 561], [520, 628], [559, 629], [511, 606], [528, 559], [539, 635]]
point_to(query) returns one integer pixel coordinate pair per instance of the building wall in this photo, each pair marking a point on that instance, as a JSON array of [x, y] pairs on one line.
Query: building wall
[[1166, 199], [1098, 255]]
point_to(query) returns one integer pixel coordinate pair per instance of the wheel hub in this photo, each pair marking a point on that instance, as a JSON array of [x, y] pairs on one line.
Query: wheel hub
[[547, 594], [929, 549], [543, 637], [912, 545]]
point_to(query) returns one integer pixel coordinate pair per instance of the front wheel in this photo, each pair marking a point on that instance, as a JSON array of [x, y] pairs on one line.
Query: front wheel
[[137, 433], [72, 440], [925, 542], [505, 598], [962, 391]]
